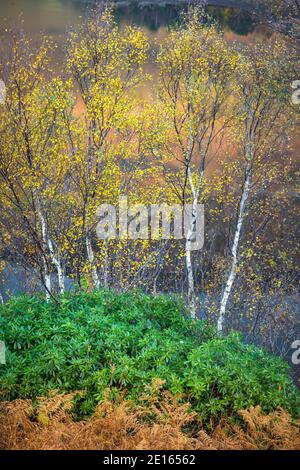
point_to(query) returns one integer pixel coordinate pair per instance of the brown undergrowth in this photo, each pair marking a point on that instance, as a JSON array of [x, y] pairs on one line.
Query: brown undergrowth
[[159, 425]]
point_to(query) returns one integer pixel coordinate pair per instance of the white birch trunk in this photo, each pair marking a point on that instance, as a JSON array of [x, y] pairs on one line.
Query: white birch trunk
[[47, 279], [91, 259], [188, 261], [105, 265], [46, 274], [58, 265], [188, 250], [234, 252]]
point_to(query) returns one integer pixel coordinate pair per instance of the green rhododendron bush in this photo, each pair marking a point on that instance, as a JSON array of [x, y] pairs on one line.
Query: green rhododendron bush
[[94, 342]]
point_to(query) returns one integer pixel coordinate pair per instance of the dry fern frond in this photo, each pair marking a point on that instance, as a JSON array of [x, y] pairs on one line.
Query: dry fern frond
[[49, 425]]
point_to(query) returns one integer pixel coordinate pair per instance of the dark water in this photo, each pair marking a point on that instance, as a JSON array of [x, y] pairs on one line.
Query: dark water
[[53, 17]]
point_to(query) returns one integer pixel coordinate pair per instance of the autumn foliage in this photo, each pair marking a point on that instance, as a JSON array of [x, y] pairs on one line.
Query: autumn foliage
[[119, 363], [161, 425]]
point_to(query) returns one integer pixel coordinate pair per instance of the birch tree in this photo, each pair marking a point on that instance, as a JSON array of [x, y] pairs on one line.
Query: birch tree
[[265, 117], [197, 77], [106, 66], [32, 159]]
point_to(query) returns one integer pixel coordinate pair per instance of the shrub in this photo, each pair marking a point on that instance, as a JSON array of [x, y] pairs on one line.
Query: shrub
[[100, 340], [227, 375]]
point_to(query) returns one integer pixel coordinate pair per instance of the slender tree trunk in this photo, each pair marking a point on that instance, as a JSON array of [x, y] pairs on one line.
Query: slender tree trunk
[[154, 290], [188, 261], [58, 265], [46, 274], [105, 265], [234, 250], [188, 243], [47, 279], [91, 259]]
